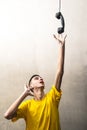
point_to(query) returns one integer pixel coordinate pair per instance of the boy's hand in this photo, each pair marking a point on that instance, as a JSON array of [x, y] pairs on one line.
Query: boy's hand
[[60, 38], [28, 90]]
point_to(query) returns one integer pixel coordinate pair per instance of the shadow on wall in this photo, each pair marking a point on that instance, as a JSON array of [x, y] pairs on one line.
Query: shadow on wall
[[73, 106]]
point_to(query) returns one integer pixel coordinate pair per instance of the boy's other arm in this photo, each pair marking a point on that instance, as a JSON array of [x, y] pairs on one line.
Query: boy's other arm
[[12, 110]]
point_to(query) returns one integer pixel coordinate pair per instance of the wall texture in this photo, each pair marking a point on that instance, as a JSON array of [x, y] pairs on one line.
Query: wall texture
[[27, 46]]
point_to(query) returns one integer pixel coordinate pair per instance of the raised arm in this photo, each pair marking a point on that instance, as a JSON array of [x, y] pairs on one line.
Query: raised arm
[[12, 110], [60, 69]]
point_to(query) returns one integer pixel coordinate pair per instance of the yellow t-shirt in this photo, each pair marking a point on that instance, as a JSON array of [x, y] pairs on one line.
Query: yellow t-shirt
[[42, 114]]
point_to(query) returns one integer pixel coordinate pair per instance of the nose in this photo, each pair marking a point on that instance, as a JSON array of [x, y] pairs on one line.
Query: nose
[[41, 78]]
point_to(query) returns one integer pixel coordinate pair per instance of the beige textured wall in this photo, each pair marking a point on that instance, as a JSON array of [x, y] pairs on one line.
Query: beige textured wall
[[27, 47]]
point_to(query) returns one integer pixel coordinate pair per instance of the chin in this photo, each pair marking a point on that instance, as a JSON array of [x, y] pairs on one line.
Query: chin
[[40, 97], [42, 84]]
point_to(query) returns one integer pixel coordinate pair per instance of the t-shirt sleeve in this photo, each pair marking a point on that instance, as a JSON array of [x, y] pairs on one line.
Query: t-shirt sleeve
[[55, 95], [21, 111]]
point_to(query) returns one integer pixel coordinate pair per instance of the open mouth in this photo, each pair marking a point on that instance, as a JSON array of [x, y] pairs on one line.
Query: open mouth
[[42, 82]]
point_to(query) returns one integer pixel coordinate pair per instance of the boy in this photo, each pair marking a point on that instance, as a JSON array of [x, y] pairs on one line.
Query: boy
[[41, 112]]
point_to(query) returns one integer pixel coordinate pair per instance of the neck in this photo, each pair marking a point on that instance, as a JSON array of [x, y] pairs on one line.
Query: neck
[[39, 98]]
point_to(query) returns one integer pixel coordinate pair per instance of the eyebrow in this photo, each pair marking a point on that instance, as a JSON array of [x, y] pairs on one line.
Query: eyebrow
[[37, 77]]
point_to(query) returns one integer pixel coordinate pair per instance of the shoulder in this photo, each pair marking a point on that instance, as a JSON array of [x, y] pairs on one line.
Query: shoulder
[[54, 90], [25, 103], [54, 93]]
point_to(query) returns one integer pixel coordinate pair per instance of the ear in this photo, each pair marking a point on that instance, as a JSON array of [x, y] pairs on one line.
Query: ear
[[31, 93], [31, 90]]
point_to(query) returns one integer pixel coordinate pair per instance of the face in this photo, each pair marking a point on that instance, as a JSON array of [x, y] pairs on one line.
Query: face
[[37, 81], [38, 87]]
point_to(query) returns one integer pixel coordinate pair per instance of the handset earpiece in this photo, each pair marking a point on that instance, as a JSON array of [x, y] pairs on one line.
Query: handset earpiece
[[60, 16]]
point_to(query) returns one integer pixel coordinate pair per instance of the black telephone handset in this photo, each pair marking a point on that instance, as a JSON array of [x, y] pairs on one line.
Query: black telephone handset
[[60, 16]]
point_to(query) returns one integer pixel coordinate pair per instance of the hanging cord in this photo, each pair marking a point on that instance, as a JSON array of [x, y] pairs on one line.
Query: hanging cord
[[60, 16], [59, 5]]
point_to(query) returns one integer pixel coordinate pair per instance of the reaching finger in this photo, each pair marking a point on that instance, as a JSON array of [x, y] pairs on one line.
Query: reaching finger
[[65, 37], [54, 36], [57, 38]]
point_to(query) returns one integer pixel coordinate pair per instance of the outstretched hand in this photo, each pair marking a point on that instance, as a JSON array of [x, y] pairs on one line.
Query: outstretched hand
[[60, 38], [28, 90]]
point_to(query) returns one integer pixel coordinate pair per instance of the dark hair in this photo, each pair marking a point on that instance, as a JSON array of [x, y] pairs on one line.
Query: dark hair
[[32, 78]]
